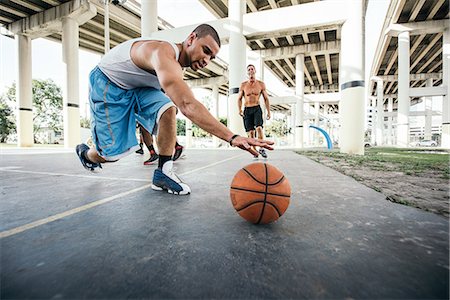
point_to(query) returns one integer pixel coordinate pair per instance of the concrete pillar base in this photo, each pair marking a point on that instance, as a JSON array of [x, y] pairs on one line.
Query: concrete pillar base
[[445, 140], [25, 129], [402, 134], [73, 137], [351, 139]]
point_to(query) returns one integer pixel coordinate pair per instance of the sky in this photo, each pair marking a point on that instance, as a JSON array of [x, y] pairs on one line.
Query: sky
[[47, 55]]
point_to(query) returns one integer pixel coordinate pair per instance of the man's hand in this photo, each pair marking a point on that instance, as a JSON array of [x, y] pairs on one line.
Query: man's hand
[[246, 144], [268, 115], [241, 113]]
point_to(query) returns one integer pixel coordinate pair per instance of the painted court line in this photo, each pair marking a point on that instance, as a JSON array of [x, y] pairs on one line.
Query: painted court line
[[70, 212], [73, 175], [67, 213]]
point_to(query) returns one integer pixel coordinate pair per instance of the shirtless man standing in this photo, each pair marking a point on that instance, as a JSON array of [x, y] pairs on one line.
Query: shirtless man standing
[[251, 90]]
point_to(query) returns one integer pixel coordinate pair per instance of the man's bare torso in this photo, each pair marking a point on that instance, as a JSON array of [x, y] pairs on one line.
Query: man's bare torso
[[252, 92]]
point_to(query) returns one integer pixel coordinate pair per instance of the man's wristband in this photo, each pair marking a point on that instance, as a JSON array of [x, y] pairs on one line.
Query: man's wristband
[[232, 138]]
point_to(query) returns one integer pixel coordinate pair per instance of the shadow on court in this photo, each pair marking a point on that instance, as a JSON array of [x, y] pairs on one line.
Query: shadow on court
[[68, 233]]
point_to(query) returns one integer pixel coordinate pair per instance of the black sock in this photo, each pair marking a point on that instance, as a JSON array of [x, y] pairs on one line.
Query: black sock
[[163, 159]]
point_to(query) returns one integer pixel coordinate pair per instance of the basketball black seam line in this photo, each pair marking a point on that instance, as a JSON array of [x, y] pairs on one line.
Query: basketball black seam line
[[279, 180], [259, 201], [259, 192], [253, 177], [265, 195]]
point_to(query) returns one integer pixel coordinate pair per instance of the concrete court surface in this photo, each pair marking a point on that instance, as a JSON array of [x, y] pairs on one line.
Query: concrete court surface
[[108, 235]]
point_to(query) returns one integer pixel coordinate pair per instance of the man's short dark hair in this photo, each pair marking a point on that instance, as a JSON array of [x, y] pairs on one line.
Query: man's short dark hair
[[251, 65], [204, 30]]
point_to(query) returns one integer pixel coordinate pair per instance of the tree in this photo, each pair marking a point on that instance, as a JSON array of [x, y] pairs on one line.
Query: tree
[[224, 121], [278, 128], [198, 132], [85, 123], [7, 120], [181, 127], [47, 104]]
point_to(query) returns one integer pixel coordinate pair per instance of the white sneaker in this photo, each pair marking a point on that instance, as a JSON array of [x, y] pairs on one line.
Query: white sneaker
[[167, 180]]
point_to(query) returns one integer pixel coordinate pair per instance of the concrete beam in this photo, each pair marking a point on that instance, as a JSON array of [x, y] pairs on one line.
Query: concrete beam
[[412, 77], [282, 100], [121, 16], [412, 113], [292, 31], [308, 17], [322, 88], [308, 98], [179, 34], [428, 91], [47, 22], [210, 81], [308, 49], [217, 69], [316, 15], [322, 97], [417, 28]]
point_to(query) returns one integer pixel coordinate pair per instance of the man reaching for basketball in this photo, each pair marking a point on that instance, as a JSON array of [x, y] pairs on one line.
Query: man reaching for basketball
[[251, 90], [126, 86]]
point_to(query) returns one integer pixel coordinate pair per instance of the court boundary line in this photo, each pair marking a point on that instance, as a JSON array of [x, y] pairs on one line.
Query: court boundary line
[[58, 216], [73, 175]]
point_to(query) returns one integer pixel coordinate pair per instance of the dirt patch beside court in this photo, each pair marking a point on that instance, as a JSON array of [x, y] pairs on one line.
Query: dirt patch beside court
[[428, 190]]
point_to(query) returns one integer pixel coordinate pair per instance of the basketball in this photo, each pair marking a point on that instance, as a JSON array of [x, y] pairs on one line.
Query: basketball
[[260, 193]]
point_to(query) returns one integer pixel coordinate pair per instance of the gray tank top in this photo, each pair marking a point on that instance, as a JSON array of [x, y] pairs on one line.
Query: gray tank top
[[120, 69]]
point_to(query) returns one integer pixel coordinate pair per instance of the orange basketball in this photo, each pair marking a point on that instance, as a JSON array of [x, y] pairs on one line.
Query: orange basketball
[[260, 193]]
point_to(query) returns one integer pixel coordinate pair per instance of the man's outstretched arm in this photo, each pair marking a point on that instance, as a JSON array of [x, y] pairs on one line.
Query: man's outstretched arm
[[170, 76]]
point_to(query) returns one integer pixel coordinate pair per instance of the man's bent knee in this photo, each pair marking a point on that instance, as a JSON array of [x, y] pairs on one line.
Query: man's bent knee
[[170, 113]]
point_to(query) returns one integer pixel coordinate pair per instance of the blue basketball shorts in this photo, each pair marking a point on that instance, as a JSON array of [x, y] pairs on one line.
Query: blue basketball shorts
[[114, 112]]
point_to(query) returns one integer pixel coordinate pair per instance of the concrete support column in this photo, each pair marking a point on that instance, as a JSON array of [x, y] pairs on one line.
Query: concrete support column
[[24, 94], [260, 74], [445, 139], [299, 92], [373, 105], [237, 65], [261, 68], [188, 133], [389, 125], [215, 110], [351, 81], [316, 123], [149, 17], [380, 113], [307, 131], [71, 98], [428, 111], [106, 22], [292, 125], [403, 90]]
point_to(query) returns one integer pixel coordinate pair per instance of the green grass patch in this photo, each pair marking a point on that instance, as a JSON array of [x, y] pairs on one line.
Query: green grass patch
[[410, 161]]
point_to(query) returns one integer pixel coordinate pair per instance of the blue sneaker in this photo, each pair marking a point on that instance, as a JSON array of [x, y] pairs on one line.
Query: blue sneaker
[[88, 165], [167, 180]]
